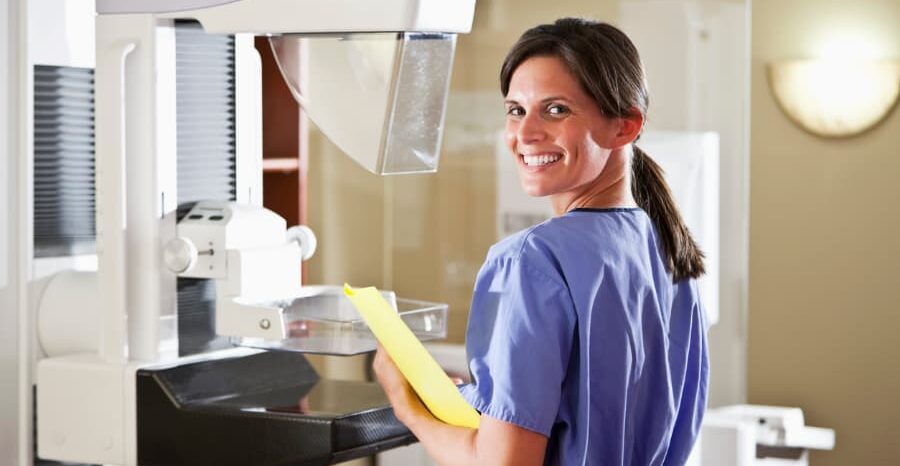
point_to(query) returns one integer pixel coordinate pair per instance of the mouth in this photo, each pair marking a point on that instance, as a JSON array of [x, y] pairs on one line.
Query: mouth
[[540, 160]]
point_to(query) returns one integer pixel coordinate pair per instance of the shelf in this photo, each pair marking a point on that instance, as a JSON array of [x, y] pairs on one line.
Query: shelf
[[284, 165]]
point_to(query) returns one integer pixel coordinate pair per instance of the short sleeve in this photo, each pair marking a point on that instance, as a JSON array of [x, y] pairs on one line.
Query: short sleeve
[[519, 342]]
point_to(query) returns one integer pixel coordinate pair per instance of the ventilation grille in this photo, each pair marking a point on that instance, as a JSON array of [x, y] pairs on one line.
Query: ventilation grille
[[63, 161], [196, 317], [206, 114], [205, 92]]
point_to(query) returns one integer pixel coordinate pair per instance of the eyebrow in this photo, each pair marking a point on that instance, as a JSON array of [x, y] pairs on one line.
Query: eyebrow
[[544, 100]]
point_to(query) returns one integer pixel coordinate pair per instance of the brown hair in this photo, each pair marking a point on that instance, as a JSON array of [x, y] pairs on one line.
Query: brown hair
[[608, 66]]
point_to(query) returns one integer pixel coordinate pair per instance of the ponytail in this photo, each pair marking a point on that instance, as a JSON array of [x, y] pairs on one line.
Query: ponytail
[[684, 259]]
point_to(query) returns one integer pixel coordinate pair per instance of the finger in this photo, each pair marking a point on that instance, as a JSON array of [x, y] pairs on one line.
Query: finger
[[381, 361]]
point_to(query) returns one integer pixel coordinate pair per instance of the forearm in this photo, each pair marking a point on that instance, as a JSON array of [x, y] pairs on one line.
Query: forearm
[[495, 442], [447, 445]]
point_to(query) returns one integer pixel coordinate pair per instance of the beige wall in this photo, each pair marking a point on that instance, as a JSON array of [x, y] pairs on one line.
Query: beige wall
[[824, 249]]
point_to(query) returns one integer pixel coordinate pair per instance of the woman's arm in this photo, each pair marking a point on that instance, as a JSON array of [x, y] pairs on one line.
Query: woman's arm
[[494, 443]]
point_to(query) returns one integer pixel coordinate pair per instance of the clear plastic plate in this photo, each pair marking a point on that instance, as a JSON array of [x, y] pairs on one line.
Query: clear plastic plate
[[380, 97], [324, 321]]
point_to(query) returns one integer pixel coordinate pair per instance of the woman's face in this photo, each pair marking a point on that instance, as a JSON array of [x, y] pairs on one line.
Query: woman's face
[[560, 140]]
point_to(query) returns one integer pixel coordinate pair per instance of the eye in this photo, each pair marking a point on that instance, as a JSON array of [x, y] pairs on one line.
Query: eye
[[557, 110], [515, 111]]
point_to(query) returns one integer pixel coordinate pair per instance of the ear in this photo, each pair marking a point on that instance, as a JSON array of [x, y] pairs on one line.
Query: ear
[[630, 127]]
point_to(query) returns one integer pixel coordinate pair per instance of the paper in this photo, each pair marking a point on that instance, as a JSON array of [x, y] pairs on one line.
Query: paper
[[421, 370]]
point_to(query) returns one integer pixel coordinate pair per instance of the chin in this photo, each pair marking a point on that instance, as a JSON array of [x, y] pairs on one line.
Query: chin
[[535, 190]]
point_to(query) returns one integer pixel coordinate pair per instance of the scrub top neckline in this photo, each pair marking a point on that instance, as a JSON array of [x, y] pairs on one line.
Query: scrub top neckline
[[605, 209]]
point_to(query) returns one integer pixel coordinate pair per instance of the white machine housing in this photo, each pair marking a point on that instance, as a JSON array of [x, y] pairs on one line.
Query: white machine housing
[[307, 16], [756, 435], [252, 256], [86, 394]]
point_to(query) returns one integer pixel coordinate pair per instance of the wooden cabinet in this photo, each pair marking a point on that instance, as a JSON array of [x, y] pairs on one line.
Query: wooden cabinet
[[285, 144], [285, 148]]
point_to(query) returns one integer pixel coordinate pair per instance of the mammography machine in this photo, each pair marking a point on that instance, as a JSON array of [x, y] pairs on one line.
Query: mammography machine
[[124, 380]]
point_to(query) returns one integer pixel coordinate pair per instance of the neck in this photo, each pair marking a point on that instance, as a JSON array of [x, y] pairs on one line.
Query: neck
[[611, 189]]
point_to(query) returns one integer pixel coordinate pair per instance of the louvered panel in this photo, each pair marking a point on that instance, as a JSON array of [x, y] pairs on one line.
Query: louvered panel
[[196, 321], [202, 93], [212, 150], [205, 109], [47, 95], [71, 111], [205, 106], [86, 164], [63, 161], [218, 118]]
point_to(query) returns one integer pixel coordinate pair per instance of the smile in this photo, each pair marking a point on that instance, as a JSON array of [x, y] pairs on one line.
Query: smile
[[539, 160]]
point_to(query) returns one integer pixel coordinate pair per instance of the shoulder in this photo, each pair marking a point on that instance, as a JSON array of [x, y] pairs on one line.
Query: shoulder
[[535, 249], [577, 241], [585, 231]]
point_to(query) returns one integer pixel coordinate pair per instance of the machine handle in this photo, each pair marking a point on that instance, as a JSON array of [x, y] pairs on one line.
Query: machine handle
[[180, 255], [305, 238]]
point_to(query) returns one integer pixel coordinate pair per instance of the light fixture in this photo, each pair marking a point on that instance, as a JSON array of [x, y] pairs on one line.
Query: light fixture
[[836, 98]]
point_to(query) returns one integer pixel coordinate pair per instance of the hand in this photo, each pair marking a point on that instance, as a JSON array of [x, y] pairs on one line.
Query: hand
[[407, 405]]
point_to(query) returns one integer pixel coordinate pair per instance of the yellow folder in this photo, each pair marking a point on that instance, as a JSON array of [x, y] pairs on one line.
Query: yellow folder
[[421, 370]]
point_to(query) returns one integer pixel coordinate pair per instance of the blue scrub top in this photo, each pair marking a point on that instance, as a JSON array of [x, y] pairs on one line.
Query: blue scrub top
[[578, 333]]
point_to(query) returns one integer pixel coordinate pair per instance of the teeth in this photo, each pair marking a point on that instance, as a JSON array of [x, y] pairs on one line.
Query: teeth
[[537, 160]]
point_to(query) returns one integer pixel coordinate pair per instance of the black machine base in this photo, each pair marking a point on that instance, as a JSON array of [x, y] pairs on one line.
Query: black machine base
[[265, 409]]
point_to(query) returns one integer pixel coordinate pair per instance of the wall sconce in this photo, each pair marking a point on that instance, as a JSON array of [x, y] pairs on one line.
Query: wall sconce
[[836, 98]]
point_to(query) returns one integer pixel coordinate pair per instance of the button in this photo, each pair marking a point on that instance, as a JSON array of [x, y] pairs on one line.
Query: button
[[195, 216], [216, 217]]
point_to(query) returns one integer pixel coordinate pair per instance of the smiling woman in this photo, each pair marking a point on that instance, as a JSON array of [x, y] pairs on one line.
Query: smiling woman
[[586, 337], [561, 142]]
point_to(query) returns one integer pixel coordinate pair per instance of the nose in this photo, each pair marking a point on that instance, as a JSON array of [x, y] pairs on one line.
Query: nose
[[531, 128]]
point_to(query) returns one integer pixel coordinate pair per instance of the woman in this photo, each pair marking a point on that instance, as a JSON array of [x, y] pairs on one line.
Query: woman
[[586, 339]]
